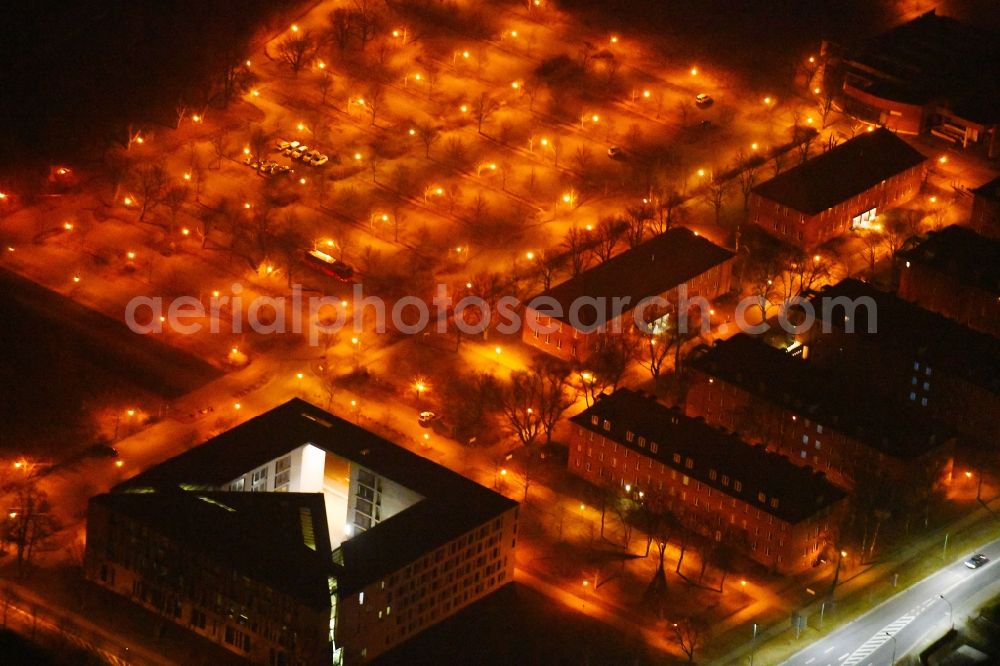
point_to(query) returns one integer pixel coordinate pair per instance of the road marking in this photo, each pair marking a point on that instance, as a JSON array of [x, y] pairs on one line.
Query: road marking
[[843, 656], [811, 660], [828, 650]]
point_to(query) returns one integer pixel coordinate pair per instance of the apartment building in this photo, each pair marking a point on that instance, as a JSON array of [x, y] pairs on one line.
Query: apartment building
[[842, 189], [755, 501], [955, 272], [606, 295], [917, 357], [815, 418], [300, 538]]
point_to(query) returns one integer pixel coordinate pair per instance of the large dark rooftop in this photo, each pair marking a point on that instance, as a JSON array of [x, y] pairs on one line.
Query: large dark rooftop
[[650, 269], [800, 491], [855, 409], [452, 504], [279, 539], [839, 174], [962, 254], [933, 58], [989, 190], [903, 326]]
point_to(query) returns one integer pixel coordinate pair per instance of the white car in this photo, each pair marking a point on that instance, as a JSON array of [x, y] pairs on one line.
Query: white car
[[976, 561], [299, 152], [282, 145], [292, 145], [701, 99], [319, 160]]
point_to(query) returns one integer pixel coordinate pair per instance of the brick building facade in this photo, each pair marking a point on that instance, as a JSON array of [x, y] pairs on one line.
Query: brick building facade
[[813, 417], [955, 272], [844, 188], [661, 267], [756, 502]]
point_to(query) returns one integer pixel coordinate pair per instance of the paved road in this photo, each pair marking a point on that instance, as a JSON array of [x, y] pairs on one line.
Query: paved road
[[909, 618]]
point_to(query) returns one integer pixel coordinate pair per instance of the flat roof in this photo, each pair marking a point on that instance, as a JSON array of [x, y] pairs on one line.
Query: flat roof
[[649, 269], [452, 504], [279, 539], [857, 410], [989, 190], [961, 253], [800, 491], [930, 58], [926, 335], [839, 174]]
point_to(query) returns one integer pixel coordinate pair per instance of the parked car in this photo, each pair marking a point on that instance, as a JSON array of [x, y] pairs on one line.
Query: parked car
[[282, 145], [426, 419], [701, 99], [976, 561], [615, 153], [292, 145], [102, 451], [319, 161], [298, 152]]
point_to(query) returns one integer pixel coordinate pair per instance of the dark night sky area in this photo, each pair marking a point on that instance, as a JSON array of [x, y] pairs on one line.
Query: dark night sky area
[[72, 73]]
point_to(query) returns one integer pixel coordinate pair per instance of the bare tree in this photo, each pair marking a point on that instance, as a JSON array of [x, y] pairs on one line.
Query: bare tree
[[484, 106], [297, 51], [715, 194], [554, 393], [689, 632], [149, 184], [428, 134], [583, 159], [340, 30], [289, 243], [30, 525], [873, 241], [636, 220], [519, 400], [747, 167], [174, 199], [576, 247], [606, 233], [607, 363], [323, 84], [367, 20], [259, 144], [219, 146], [825, 104], [374, 99]]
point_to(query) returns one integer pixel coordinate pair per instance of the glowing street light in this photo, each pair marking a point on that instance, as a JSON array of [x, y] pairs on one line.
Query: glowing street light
[[530, 255], [464, 108], [486, 165], [358, 157], [701, 173], [295, 28], [694, 71]]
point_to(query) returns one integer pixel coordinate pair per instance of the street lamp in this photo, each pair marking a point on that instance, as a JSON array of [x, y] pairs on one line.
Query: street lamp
[[951, 611], [892, 660], [419, 386]]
